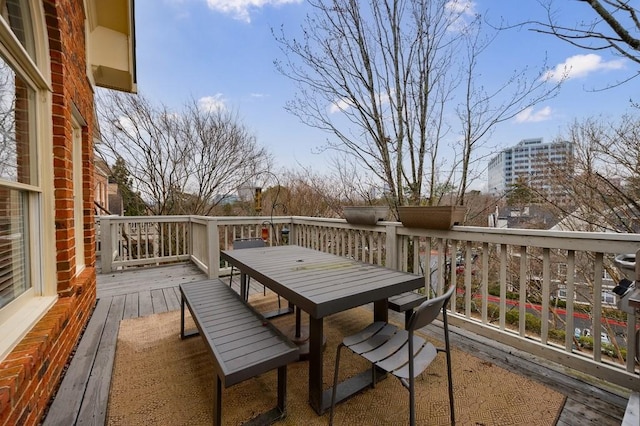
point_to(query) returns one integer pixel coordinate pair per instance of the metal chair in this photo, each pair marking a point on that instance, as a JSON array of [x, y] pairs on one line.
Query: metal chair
[[399, 351], [245, 244]]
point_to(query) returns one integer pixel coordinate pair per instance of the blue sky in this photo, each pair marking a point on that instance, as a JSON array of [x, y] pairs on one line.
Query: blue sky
[[221, 52]]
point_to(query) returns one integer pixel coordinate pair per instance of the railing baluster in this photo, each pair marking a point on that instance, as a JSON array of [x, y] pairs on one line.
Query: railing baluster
[[522, 311], [428, 268], [468, 271], [546, 293], [485, 281], [503, 285], [453, 273], [598, 272], [570, 282]]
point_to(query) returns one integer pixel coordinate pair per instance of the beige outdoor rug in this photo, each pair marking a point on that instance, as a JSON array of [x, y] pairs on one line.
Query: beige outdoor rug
[[160, 380]]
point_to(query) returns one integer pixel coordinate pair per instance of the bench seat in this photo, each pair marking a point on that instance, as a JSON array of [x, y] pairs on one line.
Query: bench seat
[[243, 344], [406, 302]]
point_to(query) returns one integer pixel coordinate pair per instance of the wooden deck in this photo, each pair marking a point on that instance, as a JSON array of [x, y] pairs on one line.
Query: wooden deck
[[83, 394]]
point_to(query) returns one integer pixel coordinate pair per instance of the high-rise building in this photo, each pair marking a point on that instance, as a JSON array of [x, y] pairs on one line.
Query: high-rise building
[[530, 161]]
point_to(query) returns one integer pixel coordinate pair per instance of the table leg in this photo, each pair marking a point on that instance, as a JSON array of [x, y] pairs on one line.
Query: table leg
[[380, 313], [381, 310], [315, 363], [244, 290]]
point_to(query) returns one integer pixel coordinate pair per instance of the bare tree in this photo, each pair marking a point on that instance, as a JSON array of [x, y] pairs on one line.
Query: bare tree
[[614, 27], [311, 193], [482, 109], [8, 140], [604, 189], [180, 163], [383, 68], [381, 77]]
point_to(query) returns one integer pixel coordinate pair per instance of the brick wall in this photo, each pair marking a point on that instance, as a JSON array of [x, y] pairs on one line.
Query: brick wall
[[31, 372]]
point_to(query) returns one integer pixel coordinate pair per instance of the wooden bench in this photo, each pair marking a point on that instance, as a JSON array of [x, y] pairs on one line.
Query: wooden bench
[[406, 302], [242, 342]]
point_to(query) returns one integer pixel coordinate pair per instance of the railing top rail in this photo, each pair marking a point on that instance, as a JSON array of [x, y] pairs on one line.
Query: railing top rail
[[568, 240]]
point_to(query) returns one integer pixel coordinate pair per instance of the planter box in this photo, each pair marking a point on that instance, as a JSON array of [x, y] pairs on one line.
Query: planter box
[[431, 217], [365, 215]]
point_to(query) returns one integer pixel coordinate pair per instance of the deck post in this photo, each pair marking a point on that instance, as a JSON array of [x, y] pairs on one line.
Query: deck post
[[391, 260], [106, 244], [213, 243]]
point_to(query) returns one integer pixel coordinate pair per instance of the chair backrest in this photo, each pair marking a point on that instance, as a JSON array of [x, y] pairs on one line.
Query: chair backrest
[[429, 309], [248, 243]]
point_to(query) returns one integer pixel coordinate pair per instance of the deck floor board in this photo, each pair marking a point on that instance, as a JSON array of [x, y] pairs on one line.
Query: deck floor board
[[83, 395], [96, 397]]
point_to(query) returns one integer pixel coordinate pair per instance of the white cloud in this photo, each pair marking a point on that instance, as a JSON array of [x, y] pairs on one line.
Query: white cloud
[[461, 11], [463, 7], [580, 66], [212, 103], [241, 9], [258, 95], [344, 103], [531, 116], [338, 106]]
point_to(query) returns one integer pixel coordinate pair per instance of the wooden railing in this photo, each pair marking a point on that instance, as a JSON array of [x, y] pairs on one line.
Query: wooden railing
[[510, 281]]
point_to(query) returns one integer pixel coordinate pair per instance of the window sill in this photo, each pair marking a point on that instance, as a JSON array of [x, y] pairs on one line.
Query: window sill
[[22, 321]]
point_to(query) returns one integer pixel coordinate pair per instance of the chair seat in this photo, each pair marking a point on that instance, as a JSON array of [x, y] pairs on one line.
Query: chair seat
[[423, 358], [386, 346]]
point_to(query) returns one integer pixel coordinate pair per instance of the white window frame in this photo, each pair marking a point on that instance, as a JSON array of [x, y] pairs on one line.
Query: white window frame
[[19, 316], [78, 201]]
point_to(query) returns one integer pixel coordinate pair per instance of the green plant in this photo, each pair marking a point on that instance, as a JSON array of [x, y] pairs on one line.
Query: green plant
[[586, 342], [533, 323], [557, 334], [512, 317]]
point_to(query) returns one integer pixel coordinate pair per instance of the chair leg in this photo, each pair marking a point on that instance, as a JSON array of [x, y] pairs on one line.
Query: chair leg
[[412, 400], [412, 380], [449, 375], [335, 384]]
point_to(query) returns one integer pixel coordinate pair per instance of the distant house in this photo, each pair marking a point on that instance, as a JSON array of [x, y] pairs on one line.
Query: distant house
[[101, 186], [53, 54], [621, 219], [525, 217]]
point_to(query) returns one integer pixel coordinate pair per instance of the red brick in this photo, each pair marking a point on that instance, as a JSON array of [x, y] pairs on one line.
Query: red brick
[[45, 349]]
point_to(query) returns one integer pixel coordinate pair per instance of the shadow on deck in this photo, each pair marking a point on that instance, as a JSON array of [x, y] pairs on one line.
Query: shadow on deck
[[84, 392]]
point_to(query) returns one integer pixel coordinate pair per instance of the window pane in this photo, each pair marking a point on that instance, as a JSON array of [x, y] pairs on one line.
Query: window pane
[[18, 16], [16, 101], [14, 245]]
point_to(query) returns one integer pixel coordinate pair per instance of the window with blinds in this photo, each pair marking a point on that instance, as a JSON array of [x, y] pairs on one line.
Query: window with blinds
[[14, 279], [19, 180]]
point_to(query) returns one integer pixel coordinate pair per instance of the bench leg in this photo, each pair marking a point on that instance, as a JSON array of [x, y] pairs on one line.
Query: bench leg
[[280, 410], [217, 402], [183, 334], [181, 316], [282, 390]]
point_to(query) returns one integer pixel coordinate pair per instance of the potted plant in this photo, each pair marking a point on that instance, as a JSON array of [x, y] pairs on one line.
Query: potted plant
[[365, 215], [431, 217]]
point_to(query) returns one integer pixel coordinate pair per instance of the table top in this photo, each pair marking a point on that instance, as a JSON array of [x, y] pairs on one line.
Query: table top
[[320, 283]]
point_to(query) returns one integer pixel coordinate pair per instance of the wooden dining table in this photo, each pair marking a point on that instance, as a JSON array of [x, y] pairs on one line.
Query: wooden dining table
[[322, 284]]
